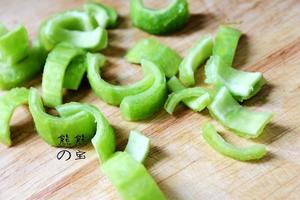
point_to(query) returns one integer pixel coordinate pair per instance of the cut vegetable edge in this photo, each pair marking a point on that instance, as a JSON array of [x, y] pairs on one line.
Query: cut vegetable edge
[[55, 68], [114, 94], [244, 122], [160, 21], [100, 11], [226, 42], [145, 104], [175, 97], [14, 45], [138, 146], [60, 131], [216, 141], [200, 51], [194, 103], [155, 51], [243, 85], [130, 178], [104, 140], [8, 103]]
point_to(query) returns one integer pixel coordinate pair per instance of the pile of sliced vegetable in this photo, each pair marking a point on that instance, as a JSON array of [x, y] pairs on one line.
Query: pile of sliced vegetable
[[73, 39]]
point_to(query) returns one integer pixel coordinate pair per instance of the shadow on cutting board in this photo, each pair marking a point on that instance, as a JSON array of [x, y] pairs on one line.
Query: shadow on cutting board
[[272, 132], [196, 22], [22, 132], [261, 97], [242, 52]]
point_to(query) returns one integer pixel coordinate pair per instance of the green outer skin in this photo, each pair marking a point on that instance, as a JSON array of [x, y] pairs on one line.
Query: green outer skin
[[74, 73], [138, 146], [226, 42], [196, 56], [220, 145], [172, 18], [74, 27], [70, 19], [242, 85], [17, 74], [174, 98], [231, 114], [160, 54], [105, 16], [145, 104], [113, 94], [14, 45], [54, 72], [50, 128], [104, 140], [131, 178], [8, 103], [194, 103]]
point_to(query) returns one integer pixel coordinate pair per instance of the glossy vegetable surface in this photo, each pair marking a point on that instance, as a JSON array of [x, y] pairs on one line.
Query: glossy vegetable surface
[[18, 62], [56, 65], [69, 130], [14, 45], [220, 145], [194, 103], [131, 178], [160, 54], [138, 146], [114, 94], [73, 27], [8, 103], [161, 21], [75, 72], [203, 98], [231, 114], [226, 42], [243, 85], [201, 50], [105, 16], [145, 104], [104, 139], [14, 75]]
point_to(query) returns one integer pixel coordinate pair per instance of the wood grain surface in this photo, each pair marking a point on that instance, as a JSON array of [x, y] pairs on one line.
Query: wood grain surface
[[184, 166]]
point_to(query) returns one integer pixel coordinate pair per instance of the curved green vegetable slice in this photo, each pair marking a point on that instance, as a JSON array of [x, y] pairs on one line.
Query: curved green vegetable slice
[[54, 72], [163, 21], [74, 27], [196, 56], [131, 178], [104, 139], [160, 54], [114, 94], [220, 145], [245, 123], [105, 16], [66, 131], [75, 72], [14, 45], [202, 101], [8, 103], [243, 85], [226, 42], [16, 74], [138, 146], [194, 103], [145, 104]]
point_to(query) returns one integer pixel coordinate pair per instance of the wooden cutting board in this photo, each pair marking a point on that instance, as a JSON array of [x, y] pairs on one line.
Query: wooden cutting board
[[184, 166]]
